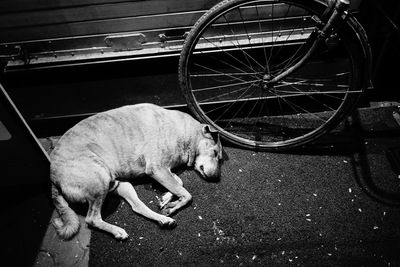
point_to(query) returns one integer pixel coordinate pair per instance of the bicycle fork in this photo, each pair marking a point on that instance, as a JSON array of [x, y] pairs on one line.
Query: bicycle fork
[[339, 10]]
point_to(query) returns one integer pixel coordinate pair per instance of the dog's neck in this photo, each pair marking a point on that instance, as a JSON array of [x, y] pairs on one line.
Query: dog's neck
[[190, 144], [189, 152]]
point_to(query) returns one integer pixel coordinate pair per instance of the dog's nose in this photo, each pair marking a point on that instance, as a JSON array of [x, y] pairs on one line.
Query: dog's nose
[[212, 176]]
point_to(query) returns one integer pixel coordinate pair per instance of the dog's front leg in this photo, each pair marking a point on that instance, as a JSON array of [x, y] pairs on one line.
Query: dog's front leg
[[127, 191], [167, 196], [166, 178]]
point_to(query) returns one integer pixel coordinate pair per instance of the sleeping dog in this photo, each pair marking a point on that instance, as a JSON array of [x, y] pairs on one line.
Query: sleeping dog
[[101, 153]]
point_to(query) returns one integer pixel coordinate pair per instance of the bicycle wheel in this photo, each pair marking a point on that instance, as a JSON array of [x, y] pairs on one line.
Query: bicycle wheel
[[236, 47]]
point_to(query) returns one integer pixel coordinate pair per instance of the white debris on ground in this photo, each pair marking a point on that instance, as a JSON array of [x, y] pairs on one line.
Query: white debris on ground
[[221, 236]]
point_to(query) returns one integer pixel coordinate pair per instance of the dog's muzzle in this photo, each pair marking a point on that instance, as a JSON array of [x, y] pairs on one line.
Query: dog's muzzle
[[213, 176]]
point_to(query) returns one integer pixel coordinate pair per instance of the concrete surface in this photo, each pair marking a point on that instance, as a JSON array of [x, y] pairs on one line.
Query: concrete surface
[[56, 252], [269, 210], [304, 208]]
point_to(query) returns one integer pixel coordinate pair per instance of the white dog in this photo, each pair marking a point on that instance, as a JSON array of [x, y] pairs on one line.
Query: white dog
[[100, 153]]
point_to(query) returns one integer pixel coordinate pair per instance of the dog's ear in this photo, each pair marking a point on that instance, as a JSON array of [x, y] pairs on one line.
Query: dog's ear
[[210, 132]]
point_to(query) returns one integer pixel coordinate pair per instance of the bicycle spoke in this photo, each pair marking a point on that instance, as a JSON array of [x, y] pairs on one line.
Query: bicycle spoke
[[280, 28], [221, 115], [297, 108], [262, 40], [222, 95], [226, 53], [295, 56], [246, 55], [223, 86], [219, 73], [311, 96]]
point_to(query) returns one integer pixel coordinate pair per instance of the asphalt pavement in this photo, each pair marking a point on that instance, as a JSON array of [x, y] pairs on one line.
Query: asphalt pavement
[[305, 208]]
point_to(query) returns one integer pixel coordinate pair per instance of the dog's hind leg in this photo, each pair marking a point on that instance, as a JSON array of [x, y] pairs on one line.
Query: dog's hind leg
[[94, 219], [127, 191], [167, 196]]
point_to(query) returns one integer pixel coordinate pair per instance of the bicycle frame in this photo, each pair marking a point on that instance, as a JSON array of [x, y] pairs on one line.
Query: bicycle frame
[[340, 11]]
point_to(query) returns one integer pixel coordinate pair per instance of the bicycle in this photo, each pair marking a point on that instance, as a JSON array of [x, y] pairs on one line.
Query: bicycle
[[273, 75]]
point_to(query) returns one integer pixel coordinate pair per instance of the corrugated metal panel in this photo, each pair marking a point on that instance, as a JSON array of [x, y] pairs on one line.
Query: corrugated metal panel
[[56, 31], [89, 19], [42, 33]]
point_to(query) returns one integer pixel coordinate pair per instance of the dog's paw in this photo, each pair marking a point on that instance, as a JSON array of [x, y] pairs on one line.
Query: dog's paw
[[166, 211], [165, 199], [120, 234], [168, 223]]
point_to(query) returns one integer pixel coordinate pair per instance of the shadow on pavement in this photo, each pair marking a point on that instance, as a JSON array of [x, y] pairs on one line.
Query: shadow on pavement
[[26, 212]]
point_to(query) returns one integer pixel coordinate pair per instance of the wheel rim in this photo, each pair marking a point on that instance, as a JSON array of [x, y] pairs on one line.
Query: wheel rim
[[232, 58]]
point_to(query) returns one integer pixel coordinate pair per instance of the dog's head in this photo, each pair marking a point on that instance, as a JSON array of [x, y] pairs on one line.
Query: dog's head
[[209, 154]]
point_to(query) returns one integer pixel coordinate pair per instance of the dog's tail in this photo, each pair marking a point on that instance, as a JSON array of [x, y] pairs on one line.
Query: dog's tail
[[67, 225]]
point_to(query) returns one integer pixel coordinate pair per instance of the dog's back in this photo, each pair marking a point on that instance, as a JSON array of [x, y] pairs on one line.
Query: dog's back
[[121, 138]]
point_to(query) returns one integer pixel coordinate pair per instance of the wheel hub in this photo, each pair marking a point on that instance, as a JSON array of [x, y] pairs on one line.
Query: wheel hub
[[265, 82]]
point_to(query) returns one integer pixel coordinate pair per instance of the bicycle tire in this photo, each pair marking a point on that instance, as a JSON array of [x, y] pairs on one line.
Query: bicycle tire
[[217, 60]]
